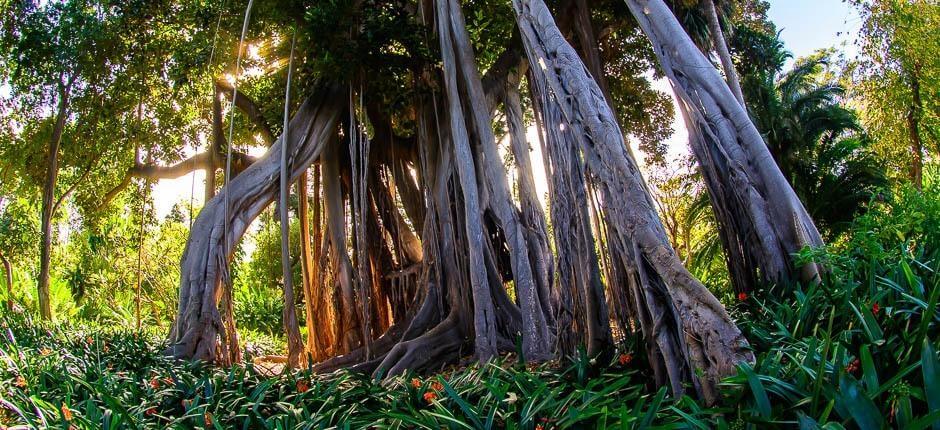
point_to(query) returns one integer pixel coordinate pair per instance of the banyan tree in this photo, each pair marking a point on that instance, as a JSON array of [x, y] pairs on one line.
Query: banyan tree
[[425, 241]]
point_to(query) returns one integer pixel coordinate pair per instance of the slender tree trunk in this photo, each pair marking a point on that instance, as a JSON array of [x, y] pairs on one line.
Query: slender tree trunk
[[578, 265], [359, 166], [761, 220], [48, 200], [721, 47], [308, 268], [533, 216], [693, 336], [8, 277], [913, 125], [294, 343], [215, 145]]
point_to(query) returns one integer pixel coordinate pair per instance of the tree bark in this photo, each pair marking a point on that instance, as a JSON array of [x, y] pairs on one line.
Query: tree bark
[[198, 322], [291, 330], [48, 199], [692, 335], [484, 319], [536, 339], [761, 221], [721, 48]]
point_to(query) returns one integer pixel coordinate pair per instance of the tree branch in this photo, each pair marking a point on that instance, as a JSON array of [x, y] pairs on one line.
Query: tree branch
[[240, 161], [249, 107]]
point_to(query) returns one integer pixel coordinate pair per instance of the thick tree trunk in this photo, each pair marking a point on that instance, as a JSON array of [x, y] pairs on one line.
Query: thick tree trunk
[[721, 48], [48, 199], [198, 322], [536, 339], [578, 267], [692, 335], [484, 319], [761, 220]]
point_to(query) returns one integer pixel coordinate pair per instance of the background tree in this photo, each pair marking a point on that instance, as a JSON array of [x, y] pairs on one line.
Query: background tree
[[817, 142], [896, 81]]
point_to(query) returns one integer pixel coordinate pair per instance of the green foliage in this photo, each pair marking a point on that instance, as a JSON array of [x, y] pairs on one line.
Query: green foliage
[[115, 379], [896, 80], [858, 349], [815, 139]]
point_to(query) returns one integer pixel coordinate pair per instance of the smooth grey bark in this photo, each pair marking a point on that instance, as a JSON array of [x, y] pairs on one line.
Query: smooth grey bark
[[196, 329], [533, 216], [484, 319], [721, 48], [692, 333], [48, 198], [536, 339], [761, 220]]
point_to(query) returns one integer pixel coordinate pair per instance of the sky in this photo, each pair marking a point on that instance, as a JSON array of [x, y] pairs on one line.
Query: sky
[[805, 25]]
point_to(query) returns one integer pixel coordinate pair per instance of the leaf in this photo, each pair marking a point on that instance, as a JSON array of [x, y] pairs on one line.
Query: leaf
[[859, 406], [931, 369], [760, 395], [869, 373]]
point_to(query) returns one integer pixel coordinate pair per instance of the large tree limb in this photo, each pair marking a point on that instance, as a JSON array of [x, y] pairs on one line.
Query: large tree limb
[[200, 161], [249, 108]]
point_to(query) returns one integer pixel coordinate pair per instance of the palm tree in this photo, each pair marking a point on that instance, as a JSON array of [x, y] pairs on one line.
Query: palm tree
[[818, 143]]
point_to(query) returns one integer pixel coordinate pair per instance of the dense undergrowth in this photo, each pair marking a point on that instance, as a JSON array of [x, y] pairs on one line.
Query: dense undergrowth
[[858, 350]]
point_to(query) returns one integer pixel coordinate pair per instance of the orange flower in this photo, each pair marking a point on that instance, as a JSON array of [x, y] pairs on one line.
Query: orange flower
[[302, 386], [89, 340], [45, 351], [66, 412], [625, 359], [151, 411], [742, 296], [437, 386], [155, 383], [430, 396], [168, 381], [186, 403], [208, 418], [875, 308], [853, 366], [20, 381], [539, 427], [415, 383]]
